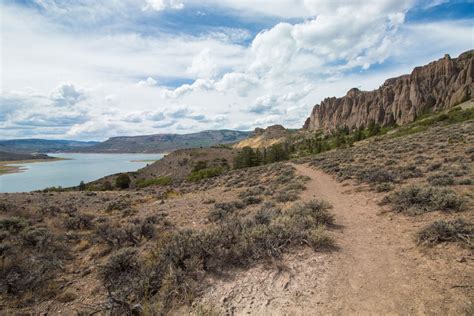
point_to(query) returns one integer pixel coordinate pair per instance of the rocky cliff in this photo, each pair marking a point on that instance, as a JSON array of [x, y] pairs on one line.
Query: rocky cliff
[[439, 85]]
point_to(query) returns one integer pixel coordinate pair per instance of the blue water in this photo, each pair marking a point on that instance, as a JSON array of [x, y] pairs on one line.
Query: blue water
[[66, 173]]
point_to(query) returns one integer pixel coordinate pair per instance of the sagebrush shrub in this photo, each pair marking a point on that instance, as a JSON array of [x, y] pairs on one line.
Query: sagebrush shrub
[[441, 179], [415, 200], [447, 231], [177, 268]]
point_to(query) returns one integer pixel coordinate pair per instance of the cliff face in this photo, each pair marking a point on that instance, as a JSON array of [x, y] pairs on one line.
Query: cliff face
[[439, 85]]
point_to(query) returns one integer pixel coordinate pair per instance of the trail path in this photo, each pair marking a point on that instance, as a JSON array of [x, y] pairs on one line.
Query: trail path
[[377, 270]]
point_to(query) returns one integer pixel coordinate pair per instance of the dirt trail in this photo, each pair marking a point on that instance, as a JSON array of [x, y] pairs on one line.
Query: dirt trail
[[378, 269]]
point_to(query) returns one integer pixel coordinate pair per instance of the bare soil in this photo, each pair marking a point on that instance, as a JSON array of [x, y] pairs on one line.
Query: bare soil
[[378, 268]]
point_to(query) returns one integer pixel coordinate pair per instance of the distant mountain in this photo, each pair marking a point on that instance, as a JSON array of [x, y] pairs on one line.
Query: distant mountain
[[160, 143], [41, 145]]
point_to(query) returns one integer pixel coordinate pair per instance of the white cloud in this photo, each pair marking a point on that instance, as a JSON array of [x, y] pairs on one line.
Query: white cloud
[[273, 49], [149, 82], [239, 82], [203, 66], [66, 94], [198, 85], [160, 5]]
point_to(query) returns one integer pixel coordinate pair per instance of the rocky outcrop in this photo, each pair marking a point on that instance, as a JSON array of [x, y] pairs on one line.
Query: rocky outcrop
[[264, 137], [439, 85]]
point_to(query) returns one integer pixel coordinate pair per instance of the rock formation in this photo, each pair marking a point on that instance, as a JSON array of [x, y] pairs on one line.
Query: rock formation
[[439, 85]]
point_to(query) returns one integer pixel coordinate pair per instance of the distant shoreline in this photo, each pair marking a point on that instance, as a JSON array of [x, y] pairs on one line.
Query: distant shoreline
[[6, 169]]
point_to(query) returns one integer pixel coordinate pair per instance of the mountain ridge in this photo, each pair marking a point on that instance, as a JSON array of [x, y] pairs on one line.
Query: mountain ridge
[[39, 145], [439, 85], [161, 143]]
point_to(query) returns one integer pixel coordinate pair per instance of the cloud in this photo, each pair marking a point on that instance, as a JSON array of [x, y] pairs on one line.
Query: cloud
[[133, 117], [198, 85], [264, 104], [51, 119], [186, 113], [239, 82], [178, 113], [160, 5], [155, 116], [164, 124], [229, 34], [203, 66], [67, 94], [149, 82], [10, 105], [275, 103], [273, 49]]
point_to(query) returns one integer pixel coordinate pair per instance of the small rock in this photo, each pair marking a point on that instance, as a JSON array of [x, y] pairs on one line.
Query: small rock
[[461, 259]]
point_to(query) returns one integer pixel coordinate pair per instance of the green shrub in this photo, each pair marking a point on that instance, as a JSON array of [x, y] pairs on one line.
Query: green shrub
[[162, 181], [12, 225], [447, 231], [223, 209], [81, 221], [286, 196], [107, 186], [202, 164], [31, 258], [415, 200], [466, 182], [376, 176], [384, 187], [249, 200], [82, 186], [124, 278], [118, 204], [123, 181], [205, 173], [441, 179], [120, 235]]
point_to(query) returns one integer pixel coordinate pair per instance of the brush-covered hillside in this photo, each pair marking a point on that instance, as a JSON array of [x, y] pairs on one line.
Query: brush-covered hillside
[[215, 231]]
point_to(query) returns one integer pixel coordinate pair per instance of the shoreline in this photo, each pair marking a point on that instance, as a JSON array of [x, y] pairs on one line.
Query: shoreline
[[6, 168]]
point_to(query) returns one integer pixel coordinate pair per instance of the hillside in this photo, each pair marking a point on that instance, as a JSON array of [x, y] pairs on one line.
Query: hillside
[[265, 137], [176, 167], [41, 145], [161, 143], [439, 85]]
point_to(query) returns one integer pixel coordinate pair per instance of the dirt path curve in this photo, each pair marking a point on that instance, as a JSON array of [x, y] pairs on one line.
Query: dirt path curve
[[378, 269]]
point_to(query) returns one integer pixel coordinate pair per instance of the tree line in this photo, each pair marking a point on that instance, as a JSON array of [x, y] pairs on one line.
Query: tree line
[[342, 137]]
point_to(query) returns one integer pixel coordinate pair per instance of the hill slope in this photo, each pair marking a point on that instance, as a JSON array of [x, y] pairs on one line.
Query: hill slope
[[160, 143], [439, 85], [265, 137]]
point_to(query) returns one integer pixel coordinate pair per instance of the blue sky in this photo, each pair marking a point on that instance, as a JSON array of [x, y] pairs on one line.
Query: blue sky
[[90, 70]]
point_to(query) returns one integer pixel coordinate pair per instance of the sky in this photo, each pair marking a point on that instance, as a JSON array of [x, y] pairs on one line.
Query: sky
[[90, 70]]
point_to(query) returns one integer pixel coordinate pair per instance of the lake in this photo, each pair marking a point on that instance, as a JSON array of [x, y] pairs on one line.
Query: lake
[[66, 173]]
